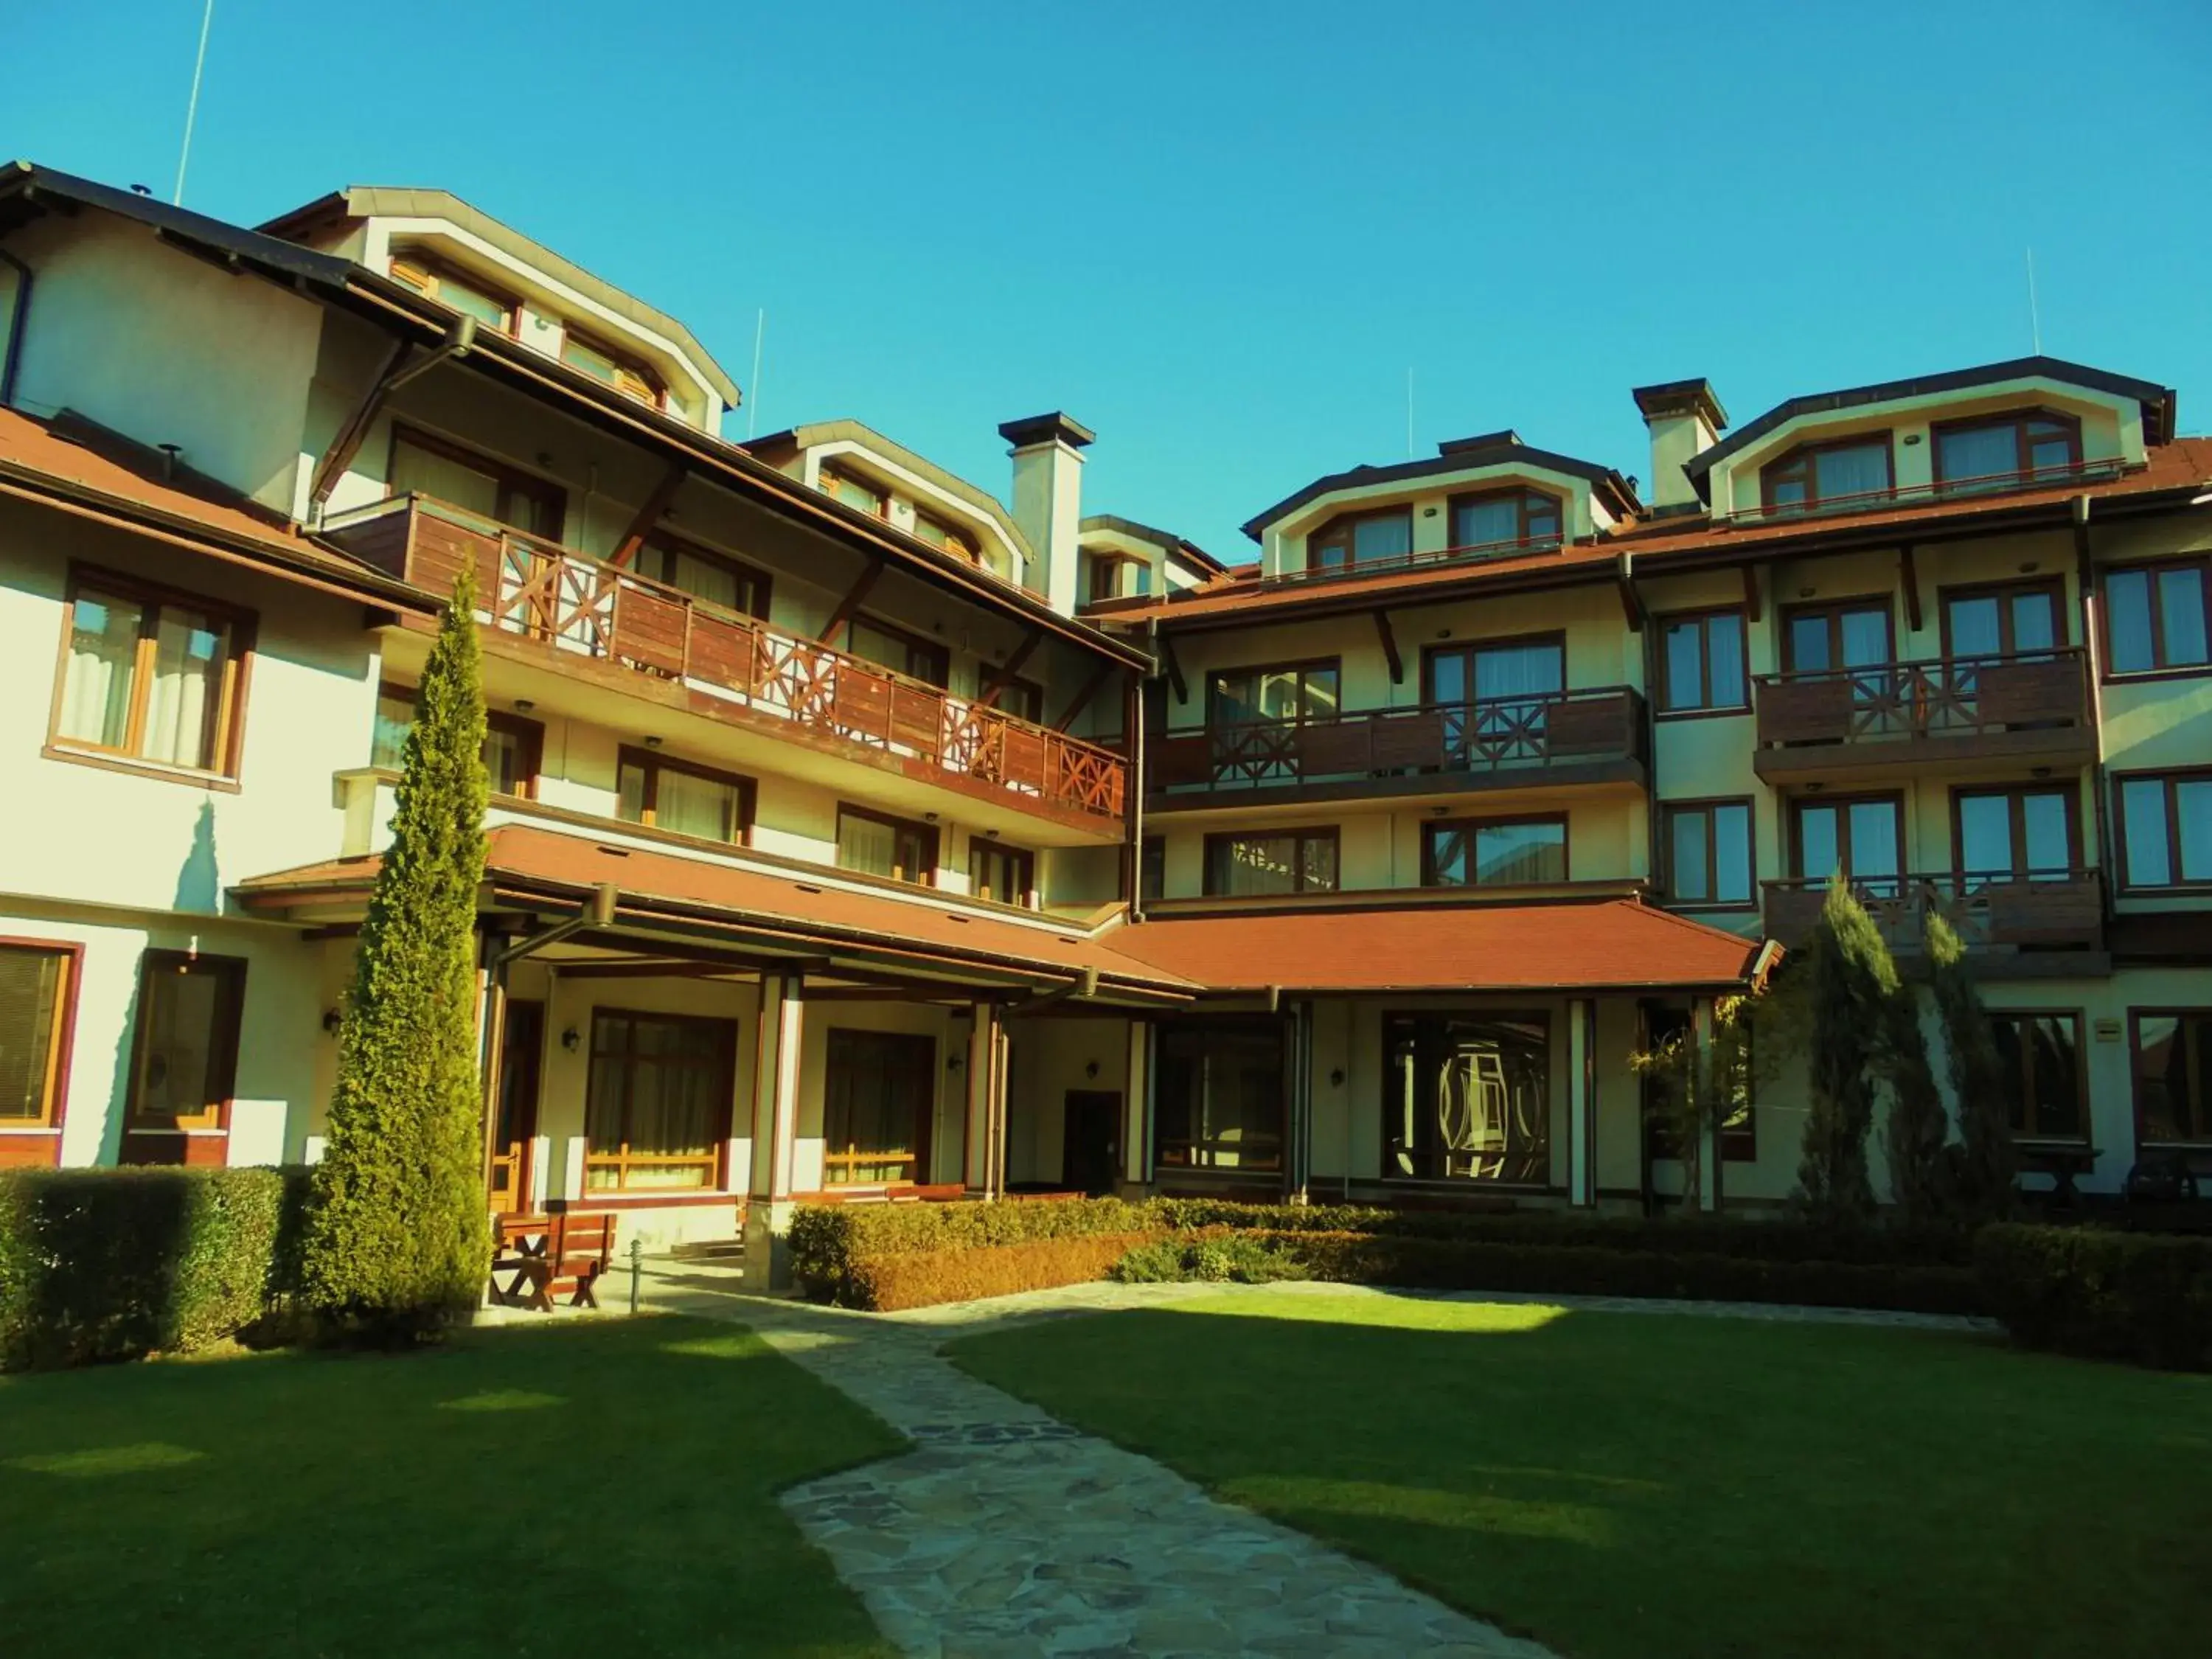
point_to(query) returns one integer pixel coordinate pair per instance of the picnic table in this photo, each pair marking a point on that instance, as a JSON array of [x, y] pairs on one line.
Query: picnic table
[[539, 1254]]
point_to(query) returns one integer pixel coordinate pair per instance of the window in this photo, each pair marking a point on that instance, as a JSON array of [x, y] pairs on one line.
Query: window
[[1863, 838], [880, 846], [1024, 701], [683, 798], [184, 1054], [1708, 849], [1219, 1100], [879, 1092], [1293, 692], [424, 465], [2156, 617], [900, 652], [1702, 663], [466, 295], [625, 374], [2013, 835], [152, 676], [1527, 518], [2006, 621], [2006, 450], [1848, 473], [512, 745], [1466, 1098], [2041, 1056], [854, 492], [1358, 538], [1115, 576], [1152, 867], [1739, 1130], [1496, 697], [1822, 638], [1006, 875], [1501, 853], [2164, 828], [2172, 1054], [938, 533], [717, 579], [657, 1101], [38, 987], [1261, 863]]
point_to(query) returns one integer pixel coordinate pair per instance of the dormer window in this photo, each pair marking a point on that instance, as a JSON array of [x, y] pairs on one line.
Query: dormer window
[[938, 533], [1115, 576], [466, 295], [1358, 538], [624, 375], [2006, 449], [1505, 518], [1849, 472], [854, 492]]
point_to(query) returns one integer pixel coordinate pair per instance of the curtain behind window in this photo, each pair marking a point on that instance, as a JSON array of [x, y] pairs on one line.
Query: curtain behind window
[[103, 648]]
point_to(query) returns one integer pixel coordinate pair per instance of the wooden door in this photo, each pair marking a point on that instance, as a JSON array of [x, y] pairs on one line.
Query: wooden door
[[1090, 1142], [521, 1053]]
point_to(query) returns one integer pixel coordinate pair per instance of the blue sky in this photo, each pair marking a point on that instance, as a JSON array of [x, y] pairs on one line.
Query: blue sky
[[1221, 233]]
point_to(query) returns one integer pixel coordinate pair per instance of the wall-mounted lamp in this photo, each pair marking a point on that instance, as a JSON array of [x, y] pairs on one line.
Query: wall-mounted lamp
[[572, 1039], [930, 817], [1911, 440], [1336, 1077], [652, 742], [523, 705], [1091, 1068], [332, 1020], [1807, 592], [955, 1060]]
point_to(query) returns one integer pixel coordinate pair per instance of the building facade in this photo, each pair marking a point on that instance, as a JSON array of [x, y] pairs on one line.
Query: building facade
[[856, 831]]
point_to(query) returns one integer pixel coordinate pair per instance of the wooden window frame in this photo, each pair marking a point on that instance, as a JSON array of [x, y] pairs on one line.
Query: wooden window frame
[[62, 1045], [2075, 1018], [1110, 561], [1833, 610], [1431, 828], [2203, 1069], [1707, 708], [222, 1062], [1346, 525], [1196, 1151], [1522, 495], [1021, 860], [242, 627], [1804, 455], [932, 845], [761, 582], [925, 1124], [1299, 666], [2019, 421], [1148, 849], [957, 542], [1738, 1145], [652, 763], [1799, 804], [2015, 796], [2051, 587], [912, 642], [2151, 569], [828, 476], [1299, 833], [440, 271], [529, 732], [513, 481], [1432, 655], [1706, 806], [2167, 777], [625, 362], [622, 1159], [1524, 1015]]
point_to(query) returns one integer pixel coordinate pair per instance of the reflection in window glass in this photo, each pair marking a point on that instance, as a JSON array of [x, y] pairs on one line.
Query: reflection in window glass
[[1497, 854], [2174, 1076], [2041, 1057], [1466, 1098], [1221, 1098]]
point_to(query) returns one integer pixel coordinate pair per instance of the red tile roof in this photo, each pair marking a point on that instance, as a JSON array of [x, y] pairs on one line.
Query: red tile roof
[[1605, 945]]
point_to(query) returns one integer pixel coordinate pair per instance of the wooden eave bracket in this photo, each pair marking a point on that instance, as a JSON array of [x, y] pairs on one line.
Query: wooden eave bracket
[[1909, 575], [1389, 638], [1083, 696], [1173, 664], [1754, 606], [863, 584], [1003, 676], [651, 513]]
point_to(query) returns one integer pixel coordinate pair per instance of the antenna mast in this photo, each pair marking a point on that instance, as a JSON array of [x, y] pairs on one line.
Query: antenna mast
[[192, 108], [752, 403], [1409, 412], [2035, 321]]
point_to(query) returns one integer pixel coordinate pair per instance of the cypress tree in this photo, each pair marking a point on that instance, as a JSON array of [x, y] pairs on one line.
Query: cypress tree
[[397, 1243], [1986, 1165], [1851, 982], [1914, 1133]]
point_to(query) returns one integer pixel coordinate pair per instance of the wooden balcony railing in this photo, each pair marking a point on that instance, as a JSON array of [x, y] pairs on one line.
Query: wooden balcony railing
[[544, 592], [1489, 735], [2059, 909], [1891, 497], [2035, 691], [860, 1166], [1410, 560]]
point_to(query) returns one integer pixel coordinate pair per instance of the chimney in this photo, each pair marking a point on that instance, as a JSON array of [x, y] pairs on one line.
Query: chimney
[[1048, 500], [1686, 420]]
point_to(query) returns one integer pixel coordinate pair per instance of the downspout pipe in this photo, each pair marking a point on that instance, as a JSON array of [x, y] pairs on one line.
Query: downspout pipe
[[18, 310]]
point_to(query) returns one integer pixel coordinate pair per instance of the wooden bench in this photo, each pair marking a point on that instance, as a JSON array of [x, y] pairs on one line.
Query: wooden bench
[[542, 1255]]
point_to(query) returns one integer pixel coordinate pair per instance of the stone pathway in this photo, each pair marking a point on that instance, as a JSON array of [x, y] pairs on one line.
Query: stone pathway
[[1005, 1532]]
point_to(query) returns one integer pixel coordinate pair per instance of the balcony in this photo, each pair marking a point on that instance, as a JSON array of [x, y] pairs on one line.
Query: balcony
[[1893, 498], [2031, 706], [1553, 740], [546, 598], [2012, 926]]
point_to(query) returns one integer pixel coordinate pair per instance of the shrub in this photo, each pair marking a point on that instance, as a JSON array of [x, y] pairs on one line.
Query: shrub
[[1218, 1255], [829, 1241], [117, 1264], [922, 1279], [2144, 1297]]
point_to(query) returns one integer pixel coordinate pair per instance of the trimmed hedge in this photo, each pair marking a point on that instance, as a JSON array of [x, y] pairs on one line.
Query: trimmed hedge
[[828, 1241], [1778, 1239], [922, 1278], [117, 1264], [2097, 1294]]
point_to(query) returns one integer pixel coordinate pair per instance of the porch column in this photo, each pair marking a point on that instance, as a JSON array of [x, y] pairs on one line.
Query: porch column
[[983, 1148], [1137, 1106], [1581, 1101], [775, 1128], [1297, 1160]]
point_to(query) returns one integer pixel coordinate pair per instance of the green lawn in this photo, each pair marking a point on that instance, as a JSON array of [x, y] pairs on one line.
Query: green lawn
[[1635, 1486], [588, 1488]]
